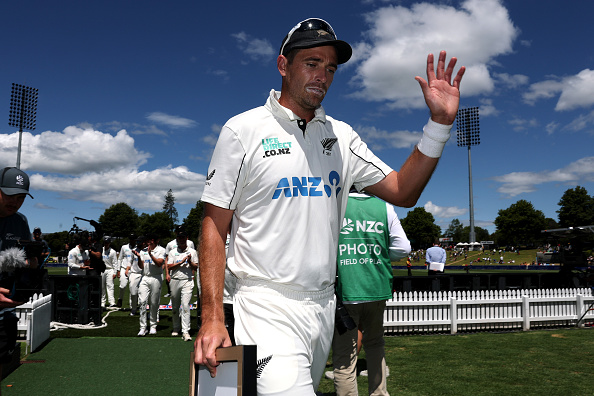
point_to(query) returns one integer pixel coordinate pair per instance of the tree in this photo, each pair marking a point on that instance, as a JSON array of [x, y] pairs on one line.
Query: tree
[[119, 220], [454, 231], [169, 208], [193, 223], [480, 234], [159, 223], [420, 228], [576, 208], [57, 243], [520, 224]]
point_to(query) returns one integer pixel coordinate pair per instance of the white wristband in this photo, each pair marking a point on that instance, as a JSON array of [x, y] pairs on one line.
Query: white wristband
[[435, 136]]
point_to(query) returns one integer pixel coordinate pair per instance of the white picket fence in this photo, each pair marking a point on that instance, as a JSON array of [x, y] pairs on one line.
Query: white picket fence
[[486, 310], [34, 320]]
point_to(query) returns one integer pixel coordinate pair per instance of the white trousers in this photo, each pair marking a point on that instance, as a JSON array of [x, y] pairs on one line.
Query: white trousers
[[293, 331], [181, 293], [123, 283], [107, 285], [134, 282], [149, 292]]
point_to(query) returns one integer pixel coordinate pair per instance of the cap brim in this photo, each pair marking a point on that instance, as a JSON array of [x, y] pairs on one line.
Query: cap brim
[[15, 191], [343, 49]]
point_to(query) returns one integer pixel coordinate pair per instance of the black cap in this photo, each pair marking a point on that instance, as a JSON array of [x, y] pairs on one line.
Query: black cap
[[315, 32], [37, 230], [14, 181]]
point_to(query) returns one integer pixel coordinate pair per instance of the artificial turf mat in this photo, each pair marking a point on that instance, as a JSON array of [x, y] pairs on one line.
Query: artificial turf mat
[[104, 366]]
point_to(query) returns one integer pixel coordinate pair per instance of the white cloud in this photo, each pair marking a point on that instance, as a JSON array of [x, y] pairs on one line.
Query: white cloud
[[520, 124], [74, 151], [487, 108], [575, 91], [516, 183], [171, 120], [400, 38], [378, 140], [542, 90], [89, 165], [256, 49], [511, 81], [584, 121], [551, 127], [444, 212]]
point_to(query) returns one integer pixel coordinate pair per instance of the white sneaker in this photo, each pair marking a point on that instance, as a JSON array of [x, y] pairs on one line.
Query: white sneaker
[[142, 333], [329, 375], [153, 332], [174, 334], [363, 373], [186, 337]]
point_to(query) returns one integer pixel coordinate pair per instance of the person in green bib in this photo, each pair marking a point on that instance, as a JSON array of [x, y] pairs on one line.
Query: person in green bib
[[370, 239]]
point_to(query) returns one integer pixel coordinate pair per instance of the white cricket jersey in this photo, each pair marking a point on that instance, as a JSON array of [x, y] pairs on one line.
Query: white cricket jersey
[[110, 258], [76, 259], [129, 259], [183, 272], [173, 245], [150, 268], [288, 190]]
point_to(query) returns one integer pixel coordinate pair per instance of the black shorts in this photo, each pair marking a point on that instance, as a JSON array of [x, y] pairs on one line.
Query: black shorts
[[8, 336]]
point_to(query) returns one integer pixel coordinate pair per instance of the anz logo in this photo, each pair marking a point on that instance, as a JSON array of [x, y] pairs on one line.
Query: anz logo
[[307, 186]]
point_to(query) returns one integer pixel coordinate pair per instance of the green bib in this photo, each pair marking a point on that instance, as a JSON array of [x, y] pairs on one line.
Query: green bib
[[364, 267]]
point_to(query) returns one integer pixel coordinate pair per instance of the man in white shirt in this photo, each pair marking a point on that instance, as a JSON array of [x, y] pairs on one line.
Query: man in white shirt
[[181, 263], [282, 172], [134, 274], [110, 258], [78, 258], [125, 259], [151, 260], [171, 246]]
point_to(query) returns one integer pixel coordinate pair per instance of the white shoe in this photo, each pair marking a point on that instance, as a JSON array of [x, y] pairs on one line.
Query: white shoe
[[142, 333], [174, 334], [363, 373], [186, 337], [329, 375], [153, 332]]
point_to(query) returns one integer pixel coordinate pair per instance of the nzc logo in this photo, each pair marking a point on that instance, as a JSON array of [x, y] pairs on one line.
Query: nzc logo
[[307, 186]]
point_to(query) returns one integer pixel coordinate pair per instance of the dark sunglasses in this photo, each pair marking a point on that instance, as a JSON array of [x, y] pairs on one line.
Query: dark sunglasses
[[309, 24]]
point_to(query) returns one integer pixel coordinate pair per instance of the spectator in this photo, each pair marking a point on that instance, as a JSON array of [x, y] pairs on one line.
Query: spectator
[[435, 257], [45, 250]]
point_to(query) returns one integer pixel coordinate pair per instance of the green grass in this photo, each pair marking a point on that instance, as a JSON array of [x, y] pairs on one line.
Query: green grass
[[112, 360], [558, 362]]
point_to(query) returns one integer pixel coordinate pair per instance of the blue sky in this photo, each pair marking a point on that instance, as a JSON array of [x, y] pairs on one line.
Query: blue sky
[[132, 95]]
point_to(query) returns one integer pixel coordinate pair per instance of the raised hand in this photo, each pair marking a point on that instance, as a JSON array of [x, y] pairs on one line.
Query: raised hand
[[442, 95]]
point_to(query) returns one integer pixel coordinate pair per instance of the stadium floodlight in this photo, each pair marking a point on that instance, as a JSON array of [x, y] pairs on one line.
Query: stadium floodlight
[[23, 111], [468, 131]]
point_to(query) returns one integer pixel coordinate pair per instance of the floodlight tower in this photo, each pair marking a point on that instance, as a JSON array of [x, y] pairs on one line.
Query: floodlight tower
[[23, 111], [468, 135]]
